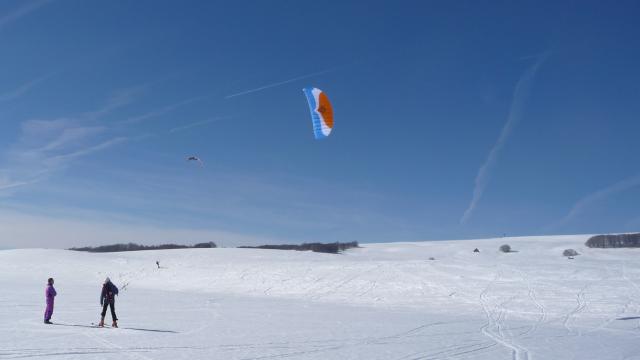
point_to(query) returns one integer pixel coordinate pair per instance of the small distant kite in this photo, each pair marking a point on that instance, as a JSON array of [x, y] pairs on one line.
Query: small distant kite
[[321, 112], [195, 158]]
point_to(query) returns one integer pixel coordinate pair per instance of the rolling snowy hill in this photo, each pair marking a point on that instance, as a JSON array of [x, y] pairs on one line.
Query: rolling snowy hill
[[381, 301]]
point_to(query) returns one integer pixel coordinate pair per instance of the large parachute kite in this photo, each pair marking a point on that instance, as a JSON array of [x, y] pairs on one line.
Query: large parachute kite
[[321, 112]]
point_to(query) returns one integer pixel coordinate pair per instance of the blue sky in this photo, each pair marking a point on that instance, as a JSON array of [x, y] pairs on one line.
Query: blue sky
[[453, 120]]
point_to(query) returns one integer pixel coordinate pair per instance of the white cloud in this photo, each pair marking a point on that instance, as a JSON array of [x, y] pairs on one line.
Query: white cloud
[[25, 9], [6, 183], [164, 110], [44, 140], [22, 231], [117, 100], [49, 145], [58, 159], [22, 89]]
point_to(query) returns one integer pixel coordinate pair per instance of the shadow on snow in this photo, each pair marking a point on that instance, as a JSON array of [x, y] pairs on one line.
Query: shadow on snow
[[124, 328]]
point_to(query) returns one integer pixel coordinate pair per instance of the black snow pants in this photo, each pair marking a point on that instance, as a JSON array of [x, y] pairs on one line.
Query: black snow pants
[[113, 309]]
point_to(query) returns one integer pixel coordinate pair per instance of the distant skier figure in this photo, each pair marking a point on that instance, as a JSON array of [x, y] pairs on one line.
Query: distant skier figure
[[476, 250], [107, 298], [50, 293], [158, 263]]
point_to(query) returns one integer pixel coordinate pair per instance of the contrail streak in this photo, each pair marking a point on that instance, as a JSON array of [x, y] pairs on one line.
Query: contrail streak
[[520, 94], [589, 200], [278, 83], [198, 123]]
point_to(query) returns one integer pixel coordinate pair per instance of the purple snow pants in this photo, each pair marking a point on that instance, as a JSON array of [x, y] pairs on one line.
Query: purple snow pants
[[49, 310]]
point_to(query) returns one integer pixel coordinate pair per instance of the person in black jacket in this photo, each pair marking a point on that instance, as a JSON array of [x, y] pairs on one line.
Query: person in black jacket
[[107, 298]]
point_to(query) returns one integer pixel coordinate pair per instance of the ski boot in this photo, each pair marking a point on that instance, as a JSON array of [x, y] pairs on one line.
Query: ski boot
[[114, 324], [101, 324]]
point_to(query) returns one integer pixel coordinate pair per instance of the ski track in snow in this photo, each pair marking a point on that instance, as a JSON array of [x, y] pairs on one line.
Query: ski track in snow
[[495, 316], [581, 304], [118, 348], [531, 293]]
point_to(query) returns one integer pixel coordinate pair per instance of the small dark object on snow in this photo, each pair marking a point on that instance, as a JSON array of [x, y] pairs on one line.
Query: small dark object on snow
[[476, 250], [432, 258], [505, 248], [158, 263]]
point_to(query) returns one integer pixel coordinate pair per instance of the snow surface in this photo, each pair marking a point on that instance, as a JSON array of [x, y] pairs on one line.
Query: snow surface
[[382, 301]]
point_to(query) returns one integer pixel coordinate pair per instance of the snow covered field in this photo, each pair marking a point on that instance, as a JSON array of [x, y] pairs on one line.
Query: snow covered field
[[382, 301]]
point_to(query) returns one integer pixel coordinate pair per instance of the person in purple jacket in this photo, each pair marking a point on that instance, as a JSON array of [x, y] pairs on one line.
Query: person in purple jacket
[[50, 294]]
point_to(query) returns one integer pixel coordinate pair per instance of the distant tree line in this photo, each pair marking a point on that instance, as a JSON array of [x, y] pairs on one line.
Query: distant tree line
[[331, 248], [136, 247], [614, 241]]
